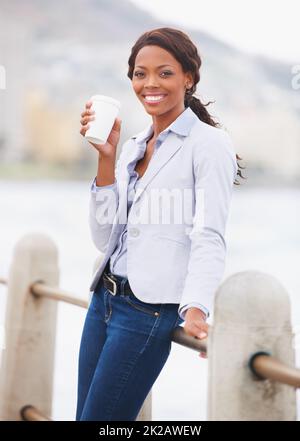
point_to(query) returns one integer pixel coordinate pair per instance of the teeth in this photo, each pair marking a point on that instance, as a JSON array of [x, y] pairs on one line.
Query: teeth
[[154, 98]]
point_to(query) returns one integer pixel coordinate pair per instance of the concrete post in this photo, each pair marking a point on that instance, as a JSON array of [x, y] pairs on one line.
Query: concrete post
[[145, 414], [252, 313], [30, 326]]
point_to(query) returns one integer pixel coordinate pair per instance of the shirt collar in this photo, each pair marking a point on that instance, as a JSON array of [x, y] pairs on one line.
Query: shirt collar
[[181, 126]]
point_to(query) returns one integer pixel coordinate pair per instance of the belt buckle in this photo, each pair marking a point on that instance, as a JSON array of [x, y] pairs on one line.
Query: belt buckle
[[114, 292]]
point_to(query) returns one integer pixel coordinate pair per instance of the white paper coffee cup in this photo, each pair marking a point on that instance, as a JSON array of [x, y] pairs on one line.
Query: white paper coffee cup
[[106, 110]]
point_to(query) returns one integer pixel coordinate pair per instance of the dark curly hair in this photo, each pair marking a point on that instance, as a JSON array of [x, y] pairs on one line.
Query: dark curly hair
[[185, 52]]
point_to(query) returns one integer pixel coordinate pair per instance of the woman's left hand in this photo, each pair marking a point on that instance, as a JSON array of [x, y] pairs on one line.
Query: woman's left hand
[[196, 326]]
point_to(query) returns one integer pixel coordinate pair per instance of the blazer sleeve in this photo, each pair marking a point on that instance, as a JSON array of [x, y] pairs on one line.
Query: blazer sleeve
[[103, 207], [183, 310], [215, 170]]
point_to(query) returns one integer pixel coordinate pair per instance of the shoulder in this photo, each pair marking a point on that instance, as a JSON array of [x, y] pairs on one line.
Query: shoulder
[[212, 141], [213, 149]]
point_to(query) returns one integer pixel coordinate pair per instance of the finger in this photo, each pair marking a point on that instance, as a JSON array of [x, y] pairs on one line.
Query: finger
[[85, 120], [193, 331], [201, 326], [202, 355], [88, 104], [199, 330], [117, 123], [84, 129], [87, 112]]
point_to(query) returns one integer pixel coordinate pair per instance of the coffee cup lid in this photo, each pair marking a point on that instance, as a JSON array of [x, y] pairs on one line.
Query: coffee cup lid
[[107, 99]]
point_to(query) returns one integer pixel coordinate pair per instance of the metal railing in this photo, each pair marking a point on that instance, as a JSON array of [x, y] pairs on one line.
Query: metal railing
[[31, 413], [266, 367], [41, 289]]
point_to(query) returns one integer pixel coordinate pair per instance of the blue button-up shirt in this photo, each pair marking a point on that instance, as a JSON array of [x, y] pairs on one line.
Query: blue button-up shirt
[[118, 260]]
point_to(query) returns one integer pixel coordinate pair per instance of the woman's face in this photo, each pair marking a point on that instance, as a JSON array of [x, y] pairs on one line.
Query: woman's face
[[159, 75]]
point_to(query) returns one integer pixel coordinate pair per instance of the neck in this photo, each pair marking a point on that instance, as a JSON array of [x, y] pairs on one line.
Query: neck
[[161, 122]]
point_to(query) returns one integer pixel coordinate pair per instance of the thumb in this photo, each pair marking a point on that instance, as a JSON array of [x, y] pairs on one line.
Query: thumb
[[118, 121]]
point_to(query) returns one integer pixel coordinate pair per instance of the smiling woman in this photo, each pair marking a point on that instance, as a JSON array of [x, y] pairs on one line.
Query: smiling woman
[[157, 272]]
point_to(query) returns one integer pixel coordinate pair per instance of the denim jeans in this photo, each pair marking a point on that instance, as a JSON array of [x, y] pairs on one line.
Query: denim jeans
[[124, 345]]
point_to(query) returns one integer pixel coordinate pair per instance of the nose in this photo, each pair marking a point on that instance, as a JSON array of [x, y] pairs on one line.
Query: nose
[[150, 82]]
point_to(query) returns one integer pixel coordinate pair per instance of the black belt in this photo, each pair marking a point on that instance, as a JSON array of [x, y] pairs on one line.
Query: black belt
[[114, 285]]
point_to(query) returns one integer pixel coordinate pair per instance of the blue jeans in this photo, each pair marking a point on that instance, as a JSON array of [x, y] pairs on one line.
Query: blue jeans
[[124, 345]]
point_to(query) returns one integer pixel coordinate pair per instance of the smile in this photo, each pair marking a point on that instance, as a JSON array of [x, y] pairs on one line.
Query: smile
[[154, 99]]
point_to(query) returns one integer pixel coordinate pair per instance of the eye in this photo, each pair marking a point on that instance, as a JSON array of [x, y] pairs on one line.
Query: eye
[[136, 74]]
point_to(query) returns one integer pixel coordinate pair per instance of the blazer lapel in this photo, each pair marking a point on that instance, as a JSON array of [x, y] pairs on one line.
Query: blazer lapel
[[165, 152]]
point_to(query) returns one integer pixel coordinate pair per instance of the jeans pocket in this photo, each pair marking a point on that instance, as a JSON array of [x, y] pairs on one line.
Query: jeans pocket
[[153, 309]]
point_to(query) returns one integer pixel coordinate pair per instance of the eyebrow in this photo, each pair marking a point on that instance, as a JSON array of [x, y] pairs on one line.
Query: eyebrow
[[162, 65]]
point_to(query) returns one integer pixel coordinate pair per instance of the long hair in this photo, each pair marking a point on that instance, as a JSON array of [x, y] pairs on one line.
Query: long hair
[[185, 52]]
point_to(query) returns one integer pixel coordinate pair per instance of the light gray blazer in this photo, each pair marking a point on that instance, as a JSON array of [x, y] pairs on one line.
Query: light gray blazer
[[176, 226]]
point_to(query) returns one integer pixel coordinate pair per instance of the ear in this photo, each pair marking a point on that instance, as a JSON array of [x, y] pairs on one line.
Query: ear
[[189, 78]]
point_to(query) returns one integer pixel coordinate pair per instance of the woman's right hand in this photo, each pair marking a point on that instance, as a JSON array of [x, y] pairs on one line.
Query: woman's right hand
[[110, 147]]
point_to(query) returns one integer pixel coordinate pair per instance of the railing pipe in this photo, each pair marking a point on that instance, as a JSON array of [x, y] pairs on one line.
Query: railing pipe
[[266, 367], [31, 413]]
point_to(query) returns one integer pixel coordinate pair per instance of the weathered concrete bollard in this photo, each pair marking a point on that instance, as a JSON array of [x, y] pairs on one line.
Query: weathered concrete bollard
[[251, 314], [30, 327], [145, 414]]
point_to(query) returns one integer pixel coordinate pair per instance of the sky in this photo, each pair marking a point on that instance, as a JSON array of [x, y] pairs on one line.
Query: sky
[[265, 27]]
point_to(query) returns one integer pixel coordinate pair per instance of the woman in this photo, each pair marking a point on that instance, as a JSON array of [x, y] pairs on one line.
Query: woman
[[153, 275]]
